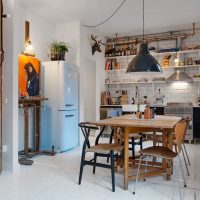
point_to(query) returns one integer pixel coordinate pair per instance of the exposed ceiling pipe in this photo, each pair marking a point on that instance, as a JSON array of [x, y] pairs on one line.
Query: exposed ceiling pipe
[[152, 37]]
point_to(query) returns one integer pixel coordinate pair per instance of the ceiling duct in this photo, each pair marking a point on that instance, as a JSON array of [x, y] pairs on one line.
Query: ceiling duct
[[179, 76]]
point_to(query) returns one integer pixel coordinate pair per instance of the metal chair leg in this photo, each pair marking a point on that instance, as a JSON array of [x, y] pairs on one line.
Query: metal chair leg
[[145, 169], [178, 182], [112, 170], [95, 160], [186, 166], [186, 153], [133, 147], [182, 171], [141, 140], [137, 174]]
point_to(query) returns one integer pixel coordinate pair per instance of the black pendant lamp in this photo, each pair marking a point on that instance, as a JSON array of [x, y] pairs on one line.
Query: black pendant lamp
[[144, 61]]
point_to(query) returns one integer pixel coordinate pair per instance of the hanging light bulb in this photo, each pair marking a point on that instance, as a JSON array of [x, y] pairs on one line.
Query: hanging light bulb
[[144, 61], [28, 46], [28, 49]]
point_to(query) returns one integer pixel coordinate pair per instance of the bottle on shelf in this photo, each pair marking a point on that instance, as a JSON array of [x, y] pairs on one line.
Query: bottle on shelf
[[133, 50], [116, 52], [128, 51], [106, 52], [119, 52], [110, 51], [123, 52], [113, 51]]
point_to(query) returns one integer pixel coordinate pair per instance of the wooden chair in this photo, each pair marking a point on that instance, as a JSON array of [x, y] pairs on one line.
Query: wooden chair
[[165, 153], [102, 150], [184, 150]]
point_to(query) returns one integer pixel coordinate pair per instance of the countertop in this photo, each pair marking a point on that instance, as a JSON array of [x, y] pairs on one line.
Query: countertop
[[161, 106]]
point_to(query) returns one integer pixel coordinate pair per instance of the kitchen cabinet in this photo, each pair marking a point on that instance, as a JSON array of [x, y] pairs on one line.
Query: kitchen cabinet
[[196, 122]]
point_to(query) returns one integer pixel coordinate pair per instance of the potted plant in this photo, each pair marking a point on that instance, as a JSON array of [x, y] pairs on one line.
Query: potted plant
[[58, 50]]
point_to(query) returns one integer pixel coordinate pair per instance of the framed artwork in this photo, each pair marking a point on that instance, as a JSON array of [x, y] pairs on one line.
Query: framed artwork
[[28, 77]]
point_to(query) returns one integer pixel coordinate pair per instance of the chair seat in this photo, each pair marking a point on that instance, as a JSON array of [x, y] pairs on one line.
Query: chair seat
[[159, 151], [105, 148]]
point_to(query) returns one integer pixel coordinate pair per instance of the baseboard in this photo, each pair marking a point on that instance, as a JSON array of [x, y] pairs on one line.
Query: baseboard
[[8, 167]]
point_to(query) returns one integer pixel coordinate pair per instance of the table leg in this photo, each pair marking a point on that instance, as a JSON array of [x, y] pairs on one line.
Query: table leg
[[26, 127], [164, 143], [126, 152], [37, 128], [166, 163], [170, 140], [154, 143]]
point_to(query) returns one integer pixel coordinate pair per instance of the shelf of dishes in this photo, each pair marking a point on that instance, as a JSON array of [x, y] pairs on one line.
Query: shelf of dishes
[[141, 82], [168, 67], [167, 60], [153, 53]]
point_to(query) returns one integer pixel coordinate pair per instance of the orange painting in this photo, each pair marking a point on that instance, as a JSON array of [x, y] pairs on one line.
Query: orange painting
[[29, 71]]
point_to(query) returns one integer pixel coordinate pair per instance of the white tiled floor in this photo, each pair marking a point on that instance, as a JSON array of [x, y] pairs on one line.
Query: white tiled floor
[[55, 178]]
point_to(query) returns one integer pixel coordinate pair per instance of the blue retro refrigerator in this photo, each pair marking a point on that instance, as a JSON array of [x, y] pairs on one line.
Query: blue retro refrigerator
[[59, 116]]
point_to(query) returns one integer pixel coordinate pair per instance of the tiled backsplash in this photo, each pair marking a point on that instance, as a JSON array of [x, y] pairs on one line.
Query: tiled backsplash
[[173, 92]]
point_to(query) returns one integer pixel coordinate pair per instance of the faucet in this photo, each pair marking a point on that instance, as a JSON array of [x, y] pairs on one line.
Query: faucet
[[137, 94]]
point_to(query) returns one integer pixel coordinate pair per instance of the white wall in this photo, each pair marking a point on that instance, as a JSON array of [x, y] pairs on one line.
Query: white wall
[[10, 89], [70, 33], [41, 33], [86, 52]]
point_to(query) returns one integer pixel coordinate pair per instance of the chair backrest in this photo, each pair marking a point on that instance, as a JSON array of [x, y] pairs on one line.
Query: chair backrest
[[133, 108], [86, 128], [180, 129], [187, 120]]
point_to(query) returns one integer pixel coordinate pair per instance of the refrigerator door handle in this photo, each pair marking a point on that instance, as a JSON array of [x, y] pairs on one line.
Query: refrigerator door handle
[[67, 116], [69, 105]]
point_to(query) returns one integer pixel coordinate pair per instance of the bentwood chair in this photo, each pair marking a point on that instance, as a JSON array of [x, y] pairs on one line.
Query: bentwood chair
[[165, 153], [184, 150], [99, 149]]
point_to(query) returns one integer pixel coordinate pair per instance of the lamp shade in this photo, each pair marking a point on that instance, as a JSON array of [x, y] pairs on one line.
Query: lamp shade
[[144, 61], [179, 77]]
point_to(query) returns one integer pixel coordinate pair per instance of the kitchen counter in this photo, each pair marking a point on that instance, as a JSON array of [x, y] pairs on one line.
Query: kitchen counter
[[130, 104]]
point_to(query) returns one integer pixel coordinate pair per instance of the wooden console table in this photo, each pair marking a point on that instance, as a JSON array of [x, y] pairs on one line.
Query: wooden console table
[[26, 103]]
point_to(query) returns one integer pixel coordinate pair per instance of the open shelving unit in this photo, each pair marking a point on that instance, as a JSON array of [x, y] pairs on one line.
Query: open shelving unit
[[158, 53], [164, 68], [147, 82], [126, 59]]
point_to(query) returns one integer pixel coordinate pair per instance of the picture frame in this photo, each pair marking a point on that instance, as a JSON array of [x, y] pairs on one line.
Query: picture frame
[[28, 76]]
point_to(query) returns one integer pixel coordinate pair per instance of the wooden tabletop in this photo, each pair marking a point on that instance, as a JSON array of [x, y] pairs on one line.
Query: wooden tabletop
[[31, 99], [160, 121]]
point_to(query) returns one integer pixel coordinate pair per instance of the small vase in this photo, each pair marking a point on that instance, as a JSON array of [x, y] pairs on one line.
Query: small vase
[[138, 114]]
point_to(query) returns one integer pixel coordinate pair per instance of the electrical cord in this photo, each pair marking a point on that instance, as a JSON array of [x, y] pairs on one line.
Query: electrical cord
[[1, 48], [104, 21]]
